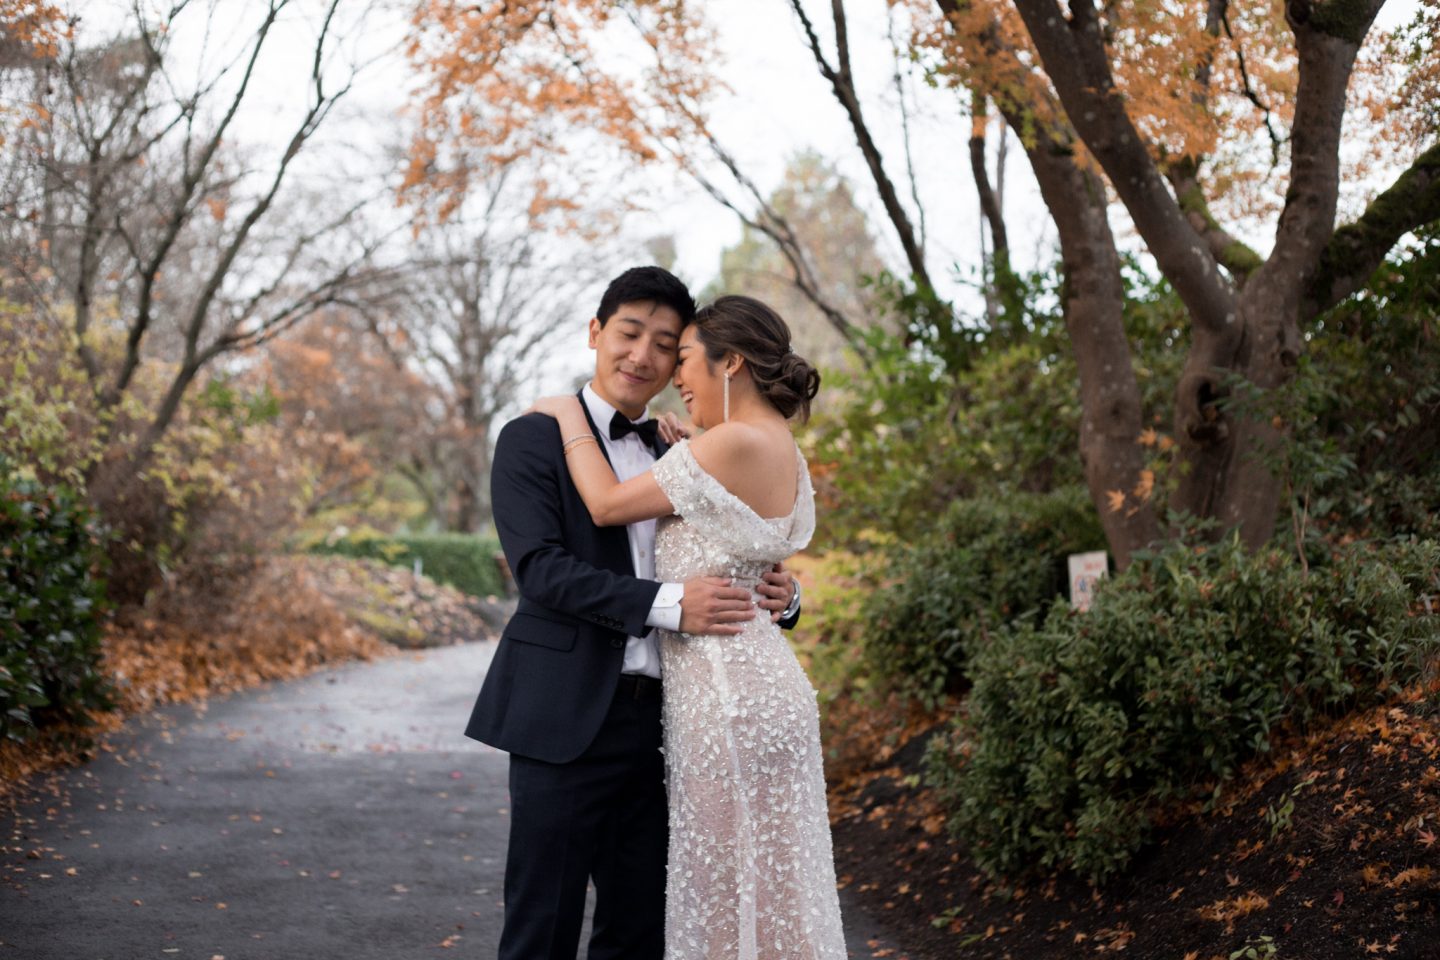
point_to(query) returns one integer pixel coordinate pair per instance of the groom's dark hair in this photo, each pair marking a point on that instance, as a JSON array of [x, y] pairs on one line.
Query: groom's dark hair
[[654, 284]]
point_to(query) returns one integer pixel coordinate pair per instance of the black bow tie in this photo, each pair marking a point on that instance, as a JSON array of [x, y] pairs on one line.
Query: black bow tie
[[647, 430]]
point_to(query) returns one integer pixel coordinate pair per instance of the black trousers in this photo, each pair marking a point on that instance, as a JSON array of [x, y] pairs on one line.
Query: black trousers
[[601, 817]]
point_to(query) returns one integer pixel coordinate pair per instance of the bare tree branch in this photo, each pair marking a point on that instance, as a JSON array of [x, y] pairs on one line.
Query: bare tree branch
[[842, 85], [1276, 139], [899, 79], [771, 223], [178, 216], [989, 202]]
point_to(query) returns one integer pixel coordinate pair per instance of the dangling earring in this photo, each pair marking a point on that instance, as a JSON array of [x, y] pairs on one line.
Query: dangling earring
[[726, 417]]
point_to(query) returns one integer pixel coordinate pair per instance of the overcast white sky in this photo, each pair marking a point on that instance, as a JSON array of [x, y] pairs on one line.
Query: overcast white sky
[[780, 105]]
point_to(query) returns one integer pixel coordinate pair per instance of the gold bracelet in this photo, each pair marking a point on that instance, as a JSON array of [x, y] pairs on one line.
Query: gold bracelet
[[577, 442]]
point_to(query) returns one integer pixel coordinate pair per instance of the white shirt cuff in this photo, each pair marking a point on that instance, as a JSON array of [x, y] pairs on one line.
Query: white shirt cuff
[[665, 611], [794, 607]]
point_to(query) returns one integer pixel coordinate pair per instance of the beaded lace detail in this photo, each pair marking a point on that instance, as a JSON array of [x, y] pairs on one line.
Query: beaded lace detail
[[751, 869]]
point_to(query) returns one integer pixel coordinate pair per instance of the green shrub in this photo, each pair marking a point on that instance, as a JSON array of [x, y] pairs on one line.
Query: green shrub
[[1378, 357], [464, 561], [1080, 727], [984, 563], [50, 604]]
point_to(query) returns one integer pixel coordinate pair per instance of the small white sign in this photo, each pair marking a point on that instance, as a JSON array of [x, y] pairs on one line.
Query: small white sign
[[1085, 569]]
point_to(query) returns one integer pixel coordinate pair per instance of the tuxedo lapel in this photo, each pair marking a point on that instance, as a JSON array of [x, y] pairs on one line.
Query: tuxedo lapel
[[599, 438]]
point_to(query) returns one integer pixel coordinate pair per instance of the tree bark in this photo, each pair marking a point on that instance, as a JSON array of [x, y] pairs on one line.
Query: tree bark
[[1093, 304], [1356, 250], [1229, 455], [989, 202], [1247, 488], [1093, 301]]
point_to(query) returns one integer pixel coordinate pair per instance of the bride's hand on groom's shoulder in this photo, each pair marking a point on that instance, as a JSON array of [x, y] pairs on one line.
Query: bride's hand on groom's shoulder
[[553, 406], [672, 429]]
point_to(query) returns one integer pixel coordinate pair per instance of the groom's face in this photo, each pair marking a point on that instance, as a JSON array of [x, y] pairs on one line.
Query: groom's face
[[634, 354]]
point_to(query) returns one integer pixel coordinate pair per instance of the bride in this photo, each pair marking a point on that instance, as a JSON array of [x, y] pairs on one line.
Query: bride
[[751, 872]]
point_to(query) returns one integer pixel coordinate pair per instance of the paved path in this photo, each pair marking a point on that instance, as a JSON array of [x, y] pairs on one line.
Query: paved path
[[340, 816]]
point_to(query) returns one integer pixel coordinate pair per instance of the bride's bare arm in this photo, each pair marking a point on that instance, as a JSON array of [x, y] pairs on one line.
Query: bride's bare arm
[[610, 502]]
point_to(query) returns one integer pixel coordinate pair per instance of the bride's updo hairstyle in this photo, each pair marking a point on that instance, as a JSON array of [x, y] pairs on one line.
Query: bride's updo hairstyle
[[748, 328]]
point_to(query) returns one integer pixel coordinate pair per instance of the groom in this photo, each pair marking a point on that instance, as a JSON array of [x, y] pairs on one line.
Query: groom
[[573, 693]]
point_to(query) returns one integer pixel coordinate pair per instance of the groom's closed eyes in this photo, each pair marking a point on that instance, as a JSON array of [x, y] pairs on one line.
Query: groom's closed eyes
[[634, 330]]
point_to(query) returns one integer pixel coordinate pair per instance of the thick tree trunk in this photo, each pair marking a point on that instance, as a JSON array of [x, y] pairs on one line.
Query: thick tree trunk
[[1234, 457], [1246, 327], [1093, 303], [1229, 457]]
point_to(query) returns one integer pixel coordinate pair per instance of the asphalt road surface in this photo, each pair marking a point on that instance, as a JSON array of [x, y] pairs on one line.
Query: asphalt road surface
[[339, 816]]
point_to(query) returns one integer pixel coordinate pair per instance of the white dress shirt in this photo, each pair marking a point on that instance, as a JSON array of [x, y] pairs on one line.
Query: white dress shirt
[[630, 457]]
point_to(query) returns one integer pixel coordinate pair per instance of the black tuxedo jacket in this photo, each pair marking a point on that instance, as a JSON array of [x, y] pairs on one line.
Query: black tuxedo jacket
[[559, 658]]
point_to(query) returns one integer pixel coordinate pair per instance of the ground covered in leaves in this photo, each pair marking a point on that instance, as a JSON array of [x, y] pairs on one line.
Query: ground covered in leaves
[[289, 616], [1326, 849]]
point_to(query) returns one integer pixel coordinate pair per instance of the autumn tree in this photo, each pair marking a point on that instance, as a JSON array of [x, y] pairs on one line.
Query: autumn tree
[[148, 231], [353, 416], [556, 85], [1159, 103], [30, 37]]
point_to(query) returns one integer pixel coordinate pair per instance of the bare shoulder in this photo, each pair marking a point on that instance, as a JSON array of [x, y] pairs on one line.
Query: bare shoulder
[[752, 461], [727, 442]]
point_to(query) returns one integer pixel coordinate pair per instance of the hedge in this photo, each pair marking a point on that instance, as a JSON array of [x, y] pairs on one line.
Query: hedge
[[50, 607], [464, 561], [985, 562], [1080, 728]]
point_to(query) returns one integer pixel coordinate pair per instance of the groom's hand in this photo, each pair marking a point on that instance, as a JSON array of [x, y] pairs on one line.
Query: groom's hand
[[711, 605], [778, 589]]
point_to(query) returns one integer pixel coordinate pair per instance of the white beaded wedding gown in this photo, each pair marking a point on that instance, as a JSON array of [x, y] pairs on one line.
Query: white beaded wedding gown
[[751, 872]]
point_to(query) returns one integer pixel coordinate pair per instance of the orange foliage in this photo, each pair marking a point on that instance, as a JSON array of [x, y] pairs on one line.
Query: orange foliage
[[276, 626], [34, 29], [1228, 911], [1394, 99], [545, 82], [553, 81], [989, 51], [37, 26], [1157, 50], [348, 412]]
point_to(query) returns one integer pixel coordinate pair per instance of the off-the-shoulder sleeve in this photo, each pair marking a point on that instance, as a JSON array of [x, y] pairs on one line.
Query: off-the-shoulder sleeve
[[682, 480], [803, 526]]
